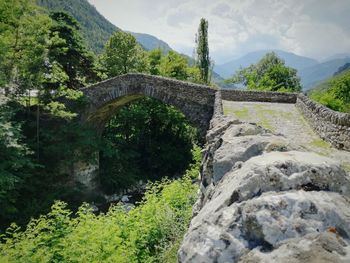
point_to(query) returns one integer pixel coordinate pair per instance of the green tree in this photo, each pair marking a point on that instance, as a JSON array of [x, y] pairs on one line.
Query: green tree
[[203, 59], [174, 65], [270, 74], [154, 58], [122, 54], [68, 52], [68, 67], [23, 36]]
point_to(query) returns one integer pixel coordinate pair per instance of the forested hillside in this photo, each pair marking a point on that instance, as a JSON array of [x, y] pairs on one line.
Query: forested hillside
[[96, 29], [335, 91], [314, 75]]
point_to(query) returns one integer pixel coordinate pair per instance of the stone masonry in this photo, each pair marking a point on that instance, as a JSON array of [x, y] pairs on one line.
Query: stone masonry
[[332, 126], [262, 199], [104, 98]]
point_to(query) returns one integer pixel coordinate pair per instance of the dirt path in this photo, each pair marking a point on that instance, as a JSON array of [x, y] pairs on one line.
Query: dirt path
[[287, 120]]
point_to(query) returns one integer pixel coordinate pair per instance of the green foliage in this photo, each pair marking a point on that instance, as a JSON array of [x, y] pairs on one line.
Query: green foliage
[[154, 58], [68, 66], [15, 164], [122, 54], [95, 29], [203, 59], [145, 140], [34, 175], [23, 32], [69, 52], [151, 232], [269, 74], [173, 65], [334, 93]]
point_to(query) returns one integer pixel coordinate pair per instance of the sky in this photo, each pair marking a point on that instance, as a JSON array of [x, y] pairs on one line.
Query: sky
[[313, 28]]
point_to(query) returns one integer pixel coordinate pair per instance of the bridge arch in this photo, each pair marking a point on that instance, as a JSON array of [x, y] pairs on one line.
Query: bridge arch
[[196, 102], [103, 99]]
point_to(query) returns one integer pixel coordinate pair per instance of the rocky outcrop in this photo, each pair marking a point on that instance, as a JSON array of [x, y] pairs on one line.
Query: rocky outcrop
[[263, 200]]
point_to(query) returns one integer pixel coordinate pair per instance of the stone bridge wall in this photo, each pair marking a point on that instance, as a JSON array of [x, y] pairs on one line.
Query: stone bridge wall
[[332, 126], [194, 101], [262, 96]]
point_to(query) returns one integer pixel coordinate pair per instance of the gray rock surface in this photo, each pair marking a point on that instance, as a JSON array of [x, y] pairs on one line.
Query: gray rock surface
[[313, 248], [263, 201]]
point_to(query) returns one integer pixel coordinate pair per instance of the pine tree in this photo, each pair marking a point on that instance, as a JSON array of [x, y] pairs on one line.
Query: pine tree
[[203, 59]]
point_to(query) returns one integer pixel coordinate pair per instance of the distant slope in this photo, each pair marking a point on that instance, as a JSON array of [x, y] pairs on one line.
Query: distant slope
[[298, 62], [337, 56], [313, 75], [150, 42], [325, 84], [342, 69], [96, 29]]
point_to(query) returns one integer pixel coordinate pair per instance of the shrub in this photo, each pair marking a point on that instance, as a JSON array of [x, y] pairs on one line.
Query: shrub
[[150, 232]]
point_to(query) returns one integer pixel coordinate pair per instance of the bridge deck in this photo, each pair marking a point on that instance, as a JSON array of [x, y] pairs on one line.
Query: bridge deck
[[287, 120]]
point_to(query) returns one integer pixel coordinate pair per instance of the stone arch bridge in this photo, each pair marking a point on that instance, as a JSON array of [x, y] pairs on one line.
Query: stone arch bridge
[[103, 99], [196, 102]]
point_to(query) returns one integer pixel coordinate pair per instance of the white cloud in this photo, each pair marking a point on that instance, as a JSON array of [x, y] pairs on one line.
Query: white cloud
[[316, 28]]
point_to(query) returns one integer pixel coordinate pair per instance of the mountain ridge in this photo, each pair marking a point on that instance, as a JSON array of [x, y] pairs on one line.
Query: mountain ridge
[[311, 71], [311, 76], [298, 62]]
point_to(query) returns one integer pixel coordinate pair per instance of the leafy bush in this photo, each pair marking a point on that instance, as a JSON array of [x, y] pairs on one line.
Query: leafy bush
[[150, 232]]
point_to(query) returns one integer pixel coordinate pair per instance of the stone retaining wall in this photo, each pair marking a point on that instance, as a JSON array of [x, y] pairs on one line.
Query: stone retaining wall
[[332, 126], [262, 96]]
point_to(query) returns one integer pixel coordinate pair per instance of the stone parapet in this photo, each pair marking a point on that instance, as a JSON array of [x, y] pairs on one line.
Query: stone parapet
[[262, 96], [332, 126]]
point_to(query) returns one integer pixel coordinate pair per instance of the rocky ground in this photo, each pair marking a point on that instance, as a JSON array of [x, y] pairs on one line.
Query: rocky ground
[[269, 193]]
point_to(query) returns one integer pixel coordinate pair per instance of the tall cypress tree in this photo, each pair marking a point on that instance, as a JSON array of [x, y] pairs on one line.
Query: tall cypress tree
[[203, 59]]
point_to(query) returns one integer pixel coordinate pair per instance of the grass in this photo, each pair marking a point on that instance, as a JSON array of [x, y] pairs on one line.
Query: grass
[[241, 114], [346, 167], [319, 143]]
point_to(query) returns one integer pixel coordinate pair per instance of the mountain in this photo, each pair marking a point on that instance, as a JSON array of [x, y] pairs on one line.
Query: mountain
[[298, 62], [95, 28], [315, 74], [342, 69], [337, 56], [150, 42]]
